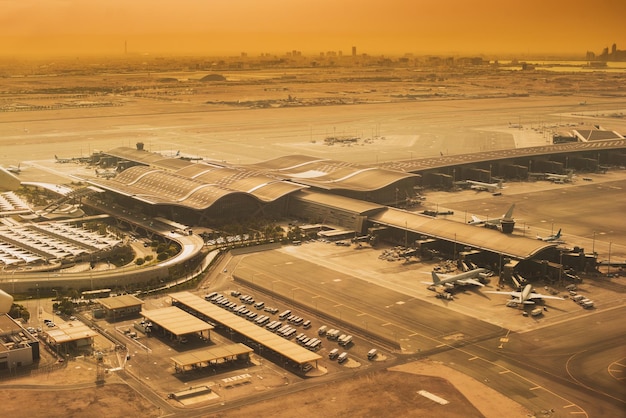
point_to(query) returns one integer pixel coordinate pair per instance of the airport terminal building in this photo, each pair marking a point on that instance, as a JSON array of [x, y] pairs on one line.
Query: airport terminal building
[[352, 200]]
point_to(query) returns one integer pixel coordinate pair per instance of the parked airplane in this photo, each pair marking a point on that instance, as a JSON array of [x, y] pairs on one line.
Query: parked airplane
[[105, 174], [489, 187], [462, 278], [496, 221], [526, 296], [552, 238], [14, 169], [559, 177], [62, 160]]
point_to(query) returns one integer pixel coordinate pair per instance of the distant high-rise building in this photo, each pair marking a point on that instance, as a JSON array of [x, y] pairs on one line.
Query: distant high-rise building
[[354, 51]]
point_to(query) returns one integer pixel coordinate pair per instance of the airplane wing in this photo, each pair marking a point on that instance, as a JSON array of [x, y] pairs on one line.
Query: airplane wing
[[476, 219], [540, 296], [470, 281], [512, 294]]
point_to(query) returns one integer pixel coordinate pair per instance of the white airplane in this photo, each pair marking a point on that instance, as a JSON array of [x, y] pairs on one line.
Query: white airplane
[[559, 177], [526, 296], [62, 160], [462, 278], [552, 238], [105, 174], [508, 215], [489, 187], [14, 169]]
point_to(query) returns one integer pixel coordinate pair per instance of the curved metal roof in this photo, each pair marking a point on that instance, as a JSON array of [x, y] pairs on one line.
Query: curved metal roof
[[155, 186], [420, 164], [331, 174]]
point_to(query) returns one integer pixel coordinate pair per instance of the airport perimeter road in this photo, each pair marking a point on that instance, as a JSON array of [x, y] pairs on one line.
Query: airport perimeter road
[[415, 325]]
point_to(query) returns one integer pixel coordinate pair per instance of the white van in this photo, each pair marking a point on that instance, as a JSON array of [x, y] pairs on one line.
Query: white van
[[372, 354], [342, 357], [333, 353]]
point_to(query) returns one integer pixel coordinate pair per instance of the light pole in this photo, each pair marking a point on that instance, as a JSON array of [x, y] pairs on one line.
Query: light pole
[[608, 268], [593, 243]]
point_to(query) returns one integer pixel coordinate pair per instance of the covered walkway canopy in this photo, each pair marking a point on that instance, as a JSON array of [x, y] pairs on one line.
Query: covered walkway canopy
[[207, 356], [176, 321], [249, 330]]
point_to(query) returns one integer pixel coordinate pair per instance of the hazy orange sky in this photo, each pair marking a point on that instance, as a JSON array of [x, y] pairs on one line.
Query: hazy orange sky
[[218, 27]]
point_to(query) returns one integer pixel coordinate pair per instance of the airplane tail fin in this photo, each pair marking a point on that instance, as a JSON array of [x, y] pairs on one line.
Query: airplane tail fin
[[558, 234], [509, 213], [436, 280]]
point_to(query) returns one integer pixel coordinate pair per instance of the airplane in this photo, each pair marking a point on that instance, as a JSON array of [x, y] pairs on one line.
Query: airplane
[[462, 278], [551, 238], [14, 169], [489, 187], [526, 296], [559, 177], [62, 160], [494, 221], [105, 174]]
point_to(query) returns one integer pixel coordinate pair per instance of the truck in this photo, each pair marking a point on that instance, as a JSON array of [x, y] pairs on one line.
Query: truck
[[345, 341], [536, 312], [587, 304], [333, 334]]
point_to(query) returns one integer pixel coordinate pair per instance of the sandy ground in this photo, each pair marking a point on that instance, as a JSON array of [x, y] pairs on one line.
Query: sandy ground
[[392, 392]]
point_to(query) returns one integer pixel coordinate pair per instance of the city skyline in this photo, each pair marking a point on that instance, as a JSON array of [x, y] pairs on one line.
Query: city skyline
[[191, 27]]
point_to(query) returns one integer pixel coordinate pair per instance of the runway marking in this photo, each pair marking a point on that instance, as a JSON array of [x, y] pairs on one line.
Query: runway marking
[[535, 388], [385, 324], [473, 358], [315, 297], [504, 340], [569, 406], [336, 306], [362, 313], [414, 334], [504, 372], [441, 345], [433, 397]]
